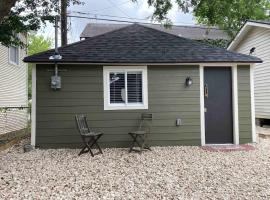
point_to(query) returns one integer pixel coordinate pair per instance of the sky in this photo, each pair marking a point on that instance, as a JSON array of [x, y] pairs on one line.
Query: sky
[[125, 9]]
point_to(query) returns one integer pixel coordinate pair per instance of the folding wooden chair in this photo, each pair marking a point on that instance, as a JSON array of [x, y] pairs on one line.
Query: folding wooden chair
[[89, 137], [140, 137]]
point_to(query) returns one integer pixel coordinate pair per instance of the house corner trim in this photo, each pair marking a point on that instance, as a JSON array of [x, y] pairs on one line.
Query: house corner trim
[[235, 105], [33, 108], [201, 72], [253, 123]]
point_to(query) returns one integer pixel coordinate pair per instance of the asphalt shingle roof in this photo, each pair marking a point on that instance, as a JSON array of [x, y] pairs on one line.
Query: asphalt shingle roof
[[191, 32], [140, 44]]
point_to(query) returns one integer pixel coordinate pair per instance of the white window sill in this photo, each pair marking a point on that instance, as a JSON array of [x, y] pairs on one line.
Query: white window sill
[[126, 107]]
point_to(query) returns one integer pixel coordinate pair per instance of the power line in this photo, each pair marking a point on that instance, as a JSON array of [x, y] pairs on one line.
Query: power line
[[132, 18], [104, 19], [115, 5], [116, 20], [95, 14], [106, 8]]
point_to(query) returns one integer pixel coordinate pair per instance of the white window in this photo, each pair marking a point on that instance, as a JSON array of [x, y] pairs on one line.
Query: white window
[[125, 88], [14, 55]]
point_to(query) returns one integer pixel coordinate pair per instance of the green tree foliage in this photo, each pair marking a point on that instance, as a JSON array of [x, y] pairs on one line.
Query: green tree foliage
[[223, 43], [229, 15], [37, 43], [25, 16]]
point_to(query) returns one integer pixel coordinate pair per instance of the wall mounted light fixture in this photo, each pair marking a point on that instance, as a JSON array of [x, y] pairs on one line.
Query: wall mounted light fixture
[[188, 81], [252, 50]]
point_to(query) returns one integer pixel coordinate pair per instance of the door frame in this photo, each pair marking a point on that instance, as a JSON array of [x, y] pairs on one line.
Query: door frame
[[234, 100]]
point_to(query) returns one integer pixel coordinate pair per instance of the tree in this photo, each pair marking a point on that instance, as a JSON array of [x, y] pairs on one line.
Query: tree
[[229, 15], [222, 43], [25, 16], [37, 43], [63, 13], [5, 7]]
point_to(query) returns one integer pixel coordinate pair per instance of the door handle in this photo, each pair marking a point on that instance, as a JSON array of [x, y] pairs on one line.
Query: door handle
[[206, 90]]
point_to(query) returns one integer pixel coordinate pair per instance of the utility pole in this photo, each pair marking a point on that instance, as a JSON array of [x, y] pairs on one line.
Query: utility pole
[[56, 52], [63, 22]]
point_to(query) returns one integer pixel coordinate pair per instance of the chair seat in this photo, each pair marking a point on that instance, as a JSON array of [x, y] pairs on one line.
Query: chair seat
[[92, 134], [138, 132]]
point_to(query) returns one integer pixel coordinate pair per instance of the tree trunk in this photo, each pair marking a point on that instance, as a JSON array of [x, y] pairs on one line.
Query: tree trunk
[[63, 22], [5, 7]]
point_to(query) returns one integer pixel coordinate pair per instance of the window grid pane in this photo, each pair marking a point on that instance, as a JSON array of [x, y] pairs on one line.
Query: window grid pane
[[117, 87], [134, 87], [14, 54]]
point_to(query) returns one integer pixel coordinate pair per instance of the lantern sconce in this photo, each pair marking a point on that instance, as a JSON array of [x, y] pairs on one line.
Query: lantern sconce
[[188, 82]]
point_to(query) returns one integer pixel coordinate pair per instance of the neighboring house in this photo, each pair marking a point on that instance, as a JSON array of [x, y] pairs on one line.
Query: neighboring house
[[254, 38], [115, 77], [191, 32], [13, 88]]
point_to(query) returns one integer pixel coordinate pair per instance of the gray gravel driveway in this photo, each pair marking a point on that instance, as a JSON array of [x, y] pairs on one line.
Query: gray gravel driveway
[[163, 173]]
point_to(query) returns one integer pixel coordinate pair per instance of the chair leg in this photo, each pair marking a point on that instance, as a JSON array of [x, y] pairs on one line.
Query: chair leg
[[90, 147], [85, 146], [92, 154], [142, 146], [96, 143], [146, 143], [89, 143], [133, 142], [82, 151]]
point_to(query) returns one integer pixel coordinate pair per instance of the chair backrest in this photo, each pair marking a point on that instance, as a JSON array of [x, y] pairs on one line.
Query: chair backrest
[[82, 125], [146, 122]]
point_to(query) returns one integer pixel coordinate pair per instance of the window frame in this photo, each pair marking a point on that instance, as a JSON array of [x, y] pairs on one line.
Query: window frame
[[9, 58], [124, 106]]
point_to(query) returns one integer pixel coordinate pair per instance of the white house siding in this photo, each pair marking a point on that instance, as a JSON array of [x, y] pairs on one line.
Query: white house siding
[[13, 92], [260, 39]]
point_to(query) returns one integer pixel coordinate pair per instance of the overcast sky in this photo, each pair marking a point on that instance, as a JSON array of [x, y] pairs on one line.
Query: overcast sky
[[122, 8]]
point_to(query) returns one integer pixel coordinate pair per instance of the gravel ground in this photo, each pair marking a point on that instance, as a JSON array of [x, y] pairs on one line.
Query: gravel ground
[[163, 173]]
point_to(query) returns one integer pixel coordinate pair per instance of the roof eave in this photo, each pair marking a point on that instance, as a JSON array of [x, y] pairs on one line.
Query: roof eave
[[144, 63]]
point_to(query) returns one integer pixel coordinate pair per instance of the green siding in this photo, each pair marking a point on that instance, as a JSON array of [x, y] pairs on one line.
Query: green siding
[[82, 92], [244, 101]]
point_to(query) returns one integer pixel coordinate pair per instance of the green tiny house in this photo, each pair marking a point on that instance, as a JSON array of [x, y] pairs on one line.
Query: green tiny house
[[115, 77]]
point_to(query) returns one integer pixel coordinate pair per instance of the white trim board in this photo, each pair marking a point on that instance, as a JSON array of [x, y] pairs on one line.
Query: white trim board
[[253, 123], [33, 109], [235, 105], [234, 101], [202, 105]]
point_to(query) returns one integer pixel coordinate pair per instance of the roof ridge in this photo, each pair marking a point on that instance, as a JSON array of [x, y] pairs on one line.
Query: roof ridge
[[151, 24], [187, 39], [194, 26]]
